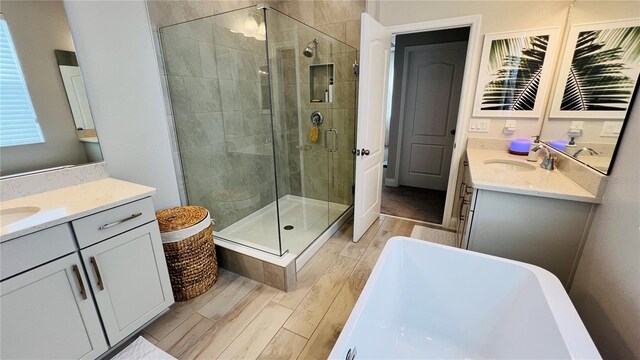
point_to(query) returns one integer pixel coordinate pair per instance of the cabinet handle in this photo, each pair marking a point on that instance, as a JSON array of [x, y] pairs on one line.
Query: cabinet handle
[[83, 291], [106, 226], [94, 263]]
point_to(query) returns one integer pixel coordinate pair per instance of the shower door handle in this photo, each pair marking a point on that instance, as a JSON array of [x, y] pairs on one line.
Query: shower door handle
[[335, 142]]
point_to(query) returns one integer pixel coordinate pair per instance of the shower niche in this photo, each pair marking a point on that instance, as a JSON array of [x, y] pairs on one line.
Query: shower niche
[[321, 85]]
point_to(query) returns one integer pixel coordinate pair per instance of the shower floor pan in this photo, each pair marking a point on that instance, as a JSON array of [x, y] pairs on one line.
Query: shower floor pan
[[247, 246]]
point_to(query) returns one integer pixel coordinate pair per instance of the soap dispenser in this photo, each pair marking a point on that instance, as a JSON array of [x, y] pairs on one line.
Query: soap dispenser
[[533, 155], [570, 148]]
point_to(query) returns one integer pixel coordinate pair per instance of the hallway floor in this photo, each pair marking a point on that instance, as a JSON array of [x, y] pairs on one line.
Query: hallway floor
[[414, 203], [242, 319]]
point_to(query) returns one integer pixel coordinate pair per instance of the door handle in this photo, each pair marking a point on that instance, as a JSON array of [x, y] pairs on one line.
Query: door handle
[[356, 152], [83, 291], [365, 152], [335, 143], [94, 264]]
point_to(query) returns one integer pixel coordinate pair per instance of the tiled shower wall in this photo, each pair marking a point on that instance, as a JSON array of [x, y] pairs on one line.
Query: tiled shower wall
[[340, 19], [222, 117], [314, 172]]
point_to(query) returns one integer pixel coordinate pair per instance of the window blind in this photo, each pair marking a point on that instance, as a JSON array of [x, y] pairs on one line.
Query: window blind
[[18, 122]]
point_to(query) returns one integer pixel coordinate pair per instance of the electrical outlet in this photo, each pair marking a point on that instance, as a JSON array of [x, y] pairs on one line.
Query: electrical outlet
[[479, 125], [577, 125]]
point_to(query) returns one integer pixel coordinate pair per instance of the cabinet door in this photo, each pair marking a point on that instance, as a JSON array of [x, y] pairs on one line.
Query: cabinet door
[[128, 275], [48, 313]]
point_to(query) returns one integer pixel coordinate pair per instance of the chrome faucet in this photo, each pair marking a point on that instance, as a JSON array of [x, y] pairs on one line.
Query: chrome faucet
[[549, 161], [590, 150]]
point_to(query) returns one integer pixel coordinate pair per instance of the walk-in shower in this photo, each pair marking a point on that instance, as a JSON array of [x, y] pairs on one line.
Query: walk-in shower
[[243, 93]]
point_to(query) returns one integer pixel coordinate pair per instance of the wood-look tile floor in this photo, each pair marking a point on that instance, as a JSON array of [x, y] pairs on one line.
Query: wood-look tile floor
[[239, 318]]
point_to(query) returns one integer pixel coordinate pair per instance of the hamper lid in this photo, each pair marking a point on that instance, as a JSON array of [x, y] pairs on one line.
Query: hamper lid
[[180, 217]]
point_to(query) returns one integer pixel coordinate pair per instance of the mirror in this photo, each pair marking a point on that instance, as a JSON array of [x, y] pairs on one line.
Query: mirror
[[45, 119], [596, 81]]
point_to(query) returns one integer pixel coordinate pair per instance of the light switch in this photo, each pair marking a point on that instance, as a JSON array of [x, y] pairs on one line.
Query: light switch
[[509, 127], [577, 125], [479, 125], [611, 129]]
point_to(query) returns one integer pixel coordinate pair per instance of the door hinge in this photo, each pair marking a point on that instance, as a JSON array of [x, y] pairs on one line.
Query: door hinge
[[356, 68]]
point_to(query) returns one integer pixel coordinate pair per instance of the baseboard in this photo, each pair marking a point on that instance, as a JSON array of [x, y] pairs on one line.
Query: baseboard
[[391, 182]]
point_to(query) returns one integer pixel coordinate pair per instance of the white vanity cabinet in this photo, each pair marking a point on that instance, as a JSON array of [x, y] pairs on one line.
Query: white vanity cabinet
[[517, 210], [537, 230], [76, 289], [128, 277], [48, 313]]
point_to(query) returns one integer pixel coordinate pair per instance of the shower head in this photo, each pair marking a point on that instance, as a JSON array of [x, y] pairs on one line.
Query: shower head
[[311, 48]]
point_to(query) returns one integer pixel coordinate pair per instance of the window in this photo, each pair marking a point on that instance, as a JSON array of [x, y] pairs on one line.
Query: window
[[18, 122]]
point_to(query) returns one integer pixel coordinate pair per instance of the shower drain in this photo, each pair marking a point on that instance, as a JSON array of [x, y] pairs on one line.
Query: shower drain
[[288, 227]]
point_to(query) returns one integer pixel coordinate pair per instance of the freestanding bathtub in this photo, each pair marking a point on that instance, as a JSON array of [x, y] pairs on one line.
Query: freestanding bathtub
[[425, 300]]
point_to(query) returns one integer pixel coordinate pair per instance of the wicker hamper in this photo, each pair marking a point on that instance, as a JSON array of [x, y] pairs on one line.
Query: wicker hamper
[[187, 238]]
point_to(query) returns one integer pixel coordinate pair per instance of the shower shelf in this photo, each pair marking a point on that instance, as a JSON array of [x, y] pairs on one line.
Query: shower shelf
[[320, 81]]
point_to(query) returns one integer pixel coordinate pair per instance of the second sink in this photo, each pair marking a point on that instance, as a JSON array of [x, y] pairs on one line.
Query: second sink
[[509, 165]]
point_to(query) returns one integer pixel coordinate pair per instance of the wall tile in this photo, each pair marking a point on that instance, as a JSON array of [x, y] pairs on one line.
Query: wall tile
[[336, 30], [203, 95], [226, 62], [169, 12], [182, 56], [198, 130], [330, 11], [233, 124], [230, 95], [208, 60], [352, 34]]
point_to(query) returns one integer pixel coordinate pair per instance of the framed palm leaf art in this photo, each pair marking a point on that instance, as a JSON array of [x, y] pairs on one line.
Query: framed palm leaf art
[[599, 71], [514, 73]]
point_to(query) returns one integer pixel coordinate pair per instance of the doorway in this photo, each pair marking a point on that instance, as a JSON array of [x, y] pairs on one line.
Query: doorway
[[425, 78]]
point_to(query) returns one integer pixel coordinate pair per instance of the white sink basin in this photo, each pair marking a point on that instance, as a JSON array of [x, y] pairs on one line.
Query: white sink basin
[[509, 165], [12, 215]]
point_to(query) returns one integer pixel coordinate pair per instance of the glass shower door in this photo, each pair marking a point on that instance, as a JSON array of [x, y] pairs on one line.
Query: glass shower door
[[217, 71], [342, 110], [298, 56]]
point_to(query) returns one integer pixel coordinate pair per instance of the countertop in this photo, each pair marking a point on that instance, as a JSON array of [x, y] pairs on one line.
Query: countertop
[[539, 182], [70, 203]]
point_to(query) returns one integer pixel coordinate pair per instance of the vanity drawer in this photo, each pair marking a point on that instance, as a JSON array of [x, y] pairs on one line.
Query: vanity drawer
[[103, 225], [26, 252]]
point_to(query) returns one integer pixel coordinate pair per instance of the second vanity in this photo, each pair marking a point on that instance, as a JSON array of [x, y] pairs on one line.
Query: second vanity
[[82, 269], [513, 208]]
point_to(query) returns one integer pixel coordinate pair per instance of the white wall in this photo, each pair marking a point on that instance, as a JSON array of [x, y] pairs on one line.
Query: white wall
[[116, 56], [38, 28], [606, 288]]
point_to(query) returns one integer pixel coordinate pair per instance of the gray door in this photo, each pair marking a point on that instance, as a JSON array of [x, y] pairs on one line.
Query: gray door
[[431, 85]]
